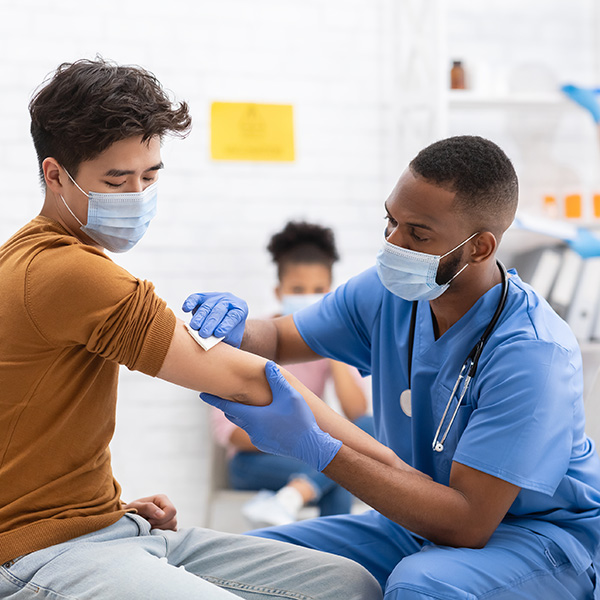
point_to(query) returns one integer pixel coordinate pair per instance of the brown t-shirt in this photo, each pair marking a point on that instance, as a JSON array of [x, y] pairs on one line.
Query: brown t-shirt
[[68, 317]]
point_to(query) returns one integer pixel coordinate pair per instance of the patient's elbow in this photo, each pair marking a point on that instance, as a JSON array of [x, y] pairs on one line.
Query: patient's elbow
[[247, 397]]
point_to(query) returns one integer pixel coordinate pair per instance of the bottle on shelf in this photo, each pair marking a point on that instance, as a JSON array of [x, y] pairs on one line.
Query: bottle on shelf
[[457, 76]]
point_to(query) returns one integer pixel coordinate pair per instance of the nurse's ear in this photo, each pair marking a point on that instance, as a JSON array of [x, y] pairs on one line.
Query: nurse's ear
[[483, 247]]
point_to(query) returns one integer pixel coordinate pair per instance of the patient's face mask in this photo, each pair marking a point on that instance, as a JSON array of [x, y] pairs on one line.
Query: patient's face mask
[[118, 221], [290, 303], [412, 275]]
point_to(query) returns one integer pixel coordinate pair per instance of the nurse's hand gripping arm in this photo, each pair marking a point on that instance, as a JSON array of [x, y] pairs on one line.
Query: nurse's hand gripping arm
[[463, 514], [239, 376]]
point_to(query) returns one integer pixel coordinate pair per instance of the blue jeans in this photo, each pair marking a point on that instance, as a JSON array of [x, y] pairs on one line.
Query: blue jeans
[[128, 561], [256, 471], [515, 563]]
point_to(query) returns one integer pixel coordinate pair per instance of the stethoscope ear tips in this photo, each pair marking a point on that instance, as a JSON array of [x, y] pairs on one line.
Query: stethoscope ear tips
[[438, 447]]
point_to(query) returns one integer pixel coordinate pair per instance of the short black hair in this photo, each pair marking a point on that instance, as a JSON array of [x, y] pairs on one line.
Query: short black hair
[[88, 105], [302, 243], [478, 172]]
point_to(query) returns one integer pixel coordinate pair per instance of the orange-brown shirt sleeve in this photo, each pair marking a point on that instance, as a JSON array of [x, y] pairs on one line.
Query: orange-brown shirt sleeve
[[76, 295]]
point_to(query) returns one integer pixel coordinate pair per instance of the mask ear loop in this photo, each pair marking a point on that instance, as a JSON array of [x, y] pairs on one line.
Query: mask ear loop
[[72, 213], [69, 174], [442, 256], [65, 203], [451, 251]]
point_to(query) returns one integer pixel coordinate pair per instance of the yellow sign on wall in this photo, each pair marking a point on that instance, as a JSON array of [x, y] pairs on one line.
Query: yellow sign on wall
[[245, 131]]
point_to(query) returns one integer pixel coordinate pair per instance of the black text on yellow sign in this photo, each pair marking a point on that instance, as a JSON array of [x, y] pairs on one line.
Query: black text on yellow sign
[[254, 132]]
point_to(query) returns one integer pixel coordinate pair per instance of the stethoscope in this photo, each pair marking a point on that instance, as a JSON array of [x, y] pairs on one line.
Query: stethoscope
[[467, 371]]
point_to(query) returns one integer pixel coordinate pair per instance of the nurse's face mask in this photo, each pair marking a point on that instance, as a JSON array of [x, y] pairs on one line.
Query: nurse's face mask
[[412, 275], [118, 221]]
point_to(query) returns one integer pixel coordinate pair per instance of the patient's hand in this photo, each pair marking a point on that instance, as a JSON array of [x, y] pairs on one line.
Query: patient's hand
[[158, 510]]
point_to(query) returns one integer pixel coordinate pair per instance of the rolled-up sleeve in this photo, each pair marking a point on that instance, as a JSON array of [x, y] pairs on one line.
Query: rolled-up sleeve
[[76, 295]]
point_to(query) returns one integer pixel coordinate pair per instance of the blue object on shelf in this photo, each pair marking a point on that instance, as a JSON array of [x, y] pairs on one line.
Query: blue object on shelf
[[585, 97]]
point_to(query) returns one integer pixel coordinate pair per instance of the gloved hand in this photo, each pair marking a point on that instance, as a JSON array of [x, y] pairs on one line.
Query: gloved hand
[[218, 313], [285, 427], [586, 243], [584, 97]]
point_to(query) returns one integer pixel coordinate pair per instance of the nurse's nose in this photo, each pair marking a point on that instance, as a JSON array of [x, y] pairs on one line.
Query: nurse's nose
[[395, 236]]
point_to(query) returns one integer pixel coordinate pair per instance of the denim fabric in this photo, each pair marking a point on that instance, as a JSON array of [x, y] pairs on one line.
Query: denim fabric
[[128, 561], [256, 471]]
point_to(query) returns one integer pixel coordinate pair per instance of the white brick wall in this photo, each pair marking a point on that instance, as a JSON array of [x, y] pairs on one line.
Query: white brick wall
[[329, 58]]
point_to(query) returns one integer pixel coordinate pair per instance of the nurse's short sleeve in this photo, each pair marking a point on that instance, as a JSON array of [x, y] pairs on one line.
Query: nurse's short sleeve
[[521, 428], [76, 295], [340, 325]]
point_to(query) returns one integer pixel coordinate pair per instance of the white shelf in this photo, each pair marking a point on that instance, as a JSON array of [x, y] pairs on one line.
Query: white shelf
[[471, 99]]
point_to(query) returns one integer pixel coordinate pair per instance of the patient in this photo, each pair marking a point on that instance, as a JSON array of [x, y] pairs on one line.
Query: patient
[[69, 316]]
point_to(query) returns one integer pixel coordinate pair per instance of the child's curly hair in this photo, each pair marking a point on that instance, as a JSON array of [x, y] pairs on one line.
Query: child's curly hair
[[301, 242]]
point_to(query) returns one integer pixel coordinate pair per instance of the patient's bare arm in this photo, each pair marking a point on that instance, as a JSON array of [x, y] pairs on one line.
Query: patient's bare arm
[[240, 376]]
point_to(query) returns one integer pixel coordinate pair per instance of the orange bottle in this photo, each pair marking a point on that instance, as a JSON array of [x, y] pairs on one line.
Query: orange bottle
[[573, 206], [457, 76]]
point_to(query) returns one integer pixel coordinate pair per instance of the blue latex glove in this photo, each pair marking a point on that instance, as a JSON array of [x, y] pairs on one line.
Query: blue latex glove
[[218, 313], [586, 243], [285, 427], [584, 97]]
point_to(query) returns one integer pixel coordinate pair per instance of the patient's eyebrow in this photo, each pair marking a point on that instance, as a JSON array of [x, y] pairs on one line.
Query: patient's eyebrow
[[122, 172]]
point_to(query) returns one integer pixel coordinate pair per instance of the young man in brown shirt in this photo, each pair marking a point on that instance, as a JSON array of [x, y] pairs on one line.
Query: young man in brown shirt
[[69, 316]]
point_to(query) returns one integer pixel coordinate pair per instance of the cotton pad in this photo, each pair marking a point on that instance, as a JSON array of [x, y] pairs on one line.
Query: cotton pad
[[206, 343]]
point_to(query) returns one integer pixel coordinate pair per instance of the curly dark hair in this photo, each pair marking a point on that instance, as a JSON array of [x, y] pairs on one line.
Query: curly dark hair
[[479, 173], [87, 105], [302, 243]]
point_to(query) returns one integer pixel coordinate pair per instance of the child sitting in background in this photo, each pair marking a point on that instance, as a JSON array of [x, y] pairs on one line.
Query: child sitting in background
[[304, 254]]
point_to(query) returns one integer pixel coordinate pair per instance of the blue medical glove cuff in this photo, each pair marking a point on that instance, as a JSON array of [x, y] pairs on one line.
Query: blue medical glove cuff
[[316, 439]]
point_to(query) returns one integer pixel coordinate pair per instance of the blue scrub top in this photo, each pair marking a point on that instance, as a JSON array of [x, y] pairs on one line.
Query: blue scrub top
[[522, 419]]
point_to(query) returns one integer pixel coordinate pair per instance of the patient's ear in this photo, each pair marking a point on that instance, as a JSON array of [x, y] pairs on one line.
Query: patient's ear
[[54, 175]]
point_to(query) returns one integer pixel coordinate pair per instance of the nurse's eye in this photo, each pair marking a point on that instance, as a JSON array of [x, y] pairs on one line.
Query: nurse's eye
[[415, 236], [391, 221], [391, 224]]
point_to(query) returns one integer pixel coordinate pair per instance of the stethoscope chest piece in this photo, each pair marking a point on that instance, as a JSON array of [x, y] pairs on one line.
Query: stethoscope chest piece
[[406, 403]]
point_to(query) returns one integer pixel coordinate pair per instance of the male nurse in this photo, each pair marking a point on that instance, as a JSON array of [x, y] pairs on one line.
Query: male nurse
[[498, 495], [69, 316]]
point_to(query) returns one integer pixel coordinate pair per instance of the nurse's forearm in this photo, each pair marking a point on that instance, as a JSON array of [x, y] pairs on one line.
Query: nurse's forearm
[[277, 339], [464, 514], [260, 337], [345, 431]]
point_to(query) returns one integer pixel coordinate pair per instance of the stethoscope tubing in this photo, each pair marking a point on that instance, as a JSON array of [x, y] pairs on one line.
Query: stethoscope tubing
[[469, 366]]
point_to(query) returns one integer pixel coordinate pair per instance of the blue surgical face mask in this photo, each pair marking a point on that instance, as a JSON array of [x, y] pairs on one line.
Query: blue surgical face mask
[[118, 221], [290, 303], [412, 275]]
